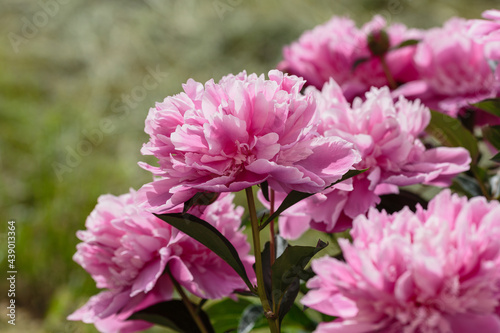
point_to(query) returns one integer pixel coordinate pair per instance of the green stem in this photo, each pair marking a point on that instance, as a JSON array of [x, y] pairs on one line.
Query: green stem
[[387, 72], [271, 317], [272, 245], [188, 304]]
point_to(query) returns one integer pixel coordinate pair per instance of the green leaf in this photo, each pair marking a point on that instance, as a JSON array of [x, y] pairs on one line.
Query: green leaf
[[289, 296], [467, 185], [287, 271], [395, 202], [280, 247], [226, 313], [266, 270], [492, 134], [490, 105], [450, 132], [295, 196], [252, 314], [209, 236], [297, 318], [358, 62], [408, 42], [265, 190], [200, 199], [496, 158], [173, 314]]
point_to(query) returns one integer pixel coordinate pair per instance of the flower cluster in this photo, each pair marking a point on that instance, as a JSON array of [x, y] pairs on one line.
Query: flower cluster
[[339, 50], [435, 270], [326, 153], [447, 69], [242, 131], [386, 135], [127, 251]]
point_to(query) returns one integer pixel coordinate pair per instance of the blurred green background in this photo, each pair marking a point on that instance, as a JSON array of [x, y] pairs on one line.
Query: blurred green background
[[76, 86]]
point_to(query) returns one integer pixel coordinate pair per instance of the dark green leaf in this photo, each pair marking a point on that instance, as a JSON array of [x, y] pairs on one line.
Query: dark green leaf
[[297, 317], [450, 132], [209, 236], [492, 134], [249, 318], [409, 42], [266, 270], [358, 62], [496, 158], [225, 315], [200, 199], [467, 185], [265, 190], [289, 296], [395, 202], [173, 314], [280, 247], [295, 196], [287, 270], [490, 105]]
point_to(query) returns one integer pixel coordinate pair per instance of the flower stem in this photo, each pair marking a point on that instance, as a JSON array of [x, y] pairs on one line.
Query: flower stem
[[387, 72], [188, 304], [272, 244], [271, 317]]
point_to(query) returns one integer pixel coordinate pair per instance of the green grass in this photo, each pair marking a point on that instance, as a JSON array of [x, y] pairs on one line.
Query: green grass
[[65, 80]]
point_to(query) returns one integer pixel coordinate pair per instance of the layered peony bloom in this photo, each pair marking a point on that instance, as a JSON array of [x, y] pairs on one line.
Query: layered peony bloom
[[331, 50], [126, 250], [432, 271], [386, 134], [486, 30], [242, 131], [454, 70]]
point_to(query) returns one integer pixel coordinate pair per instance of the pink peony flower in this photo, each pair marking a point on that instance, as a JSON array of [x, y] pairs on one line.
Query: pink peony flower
[[454, 70], [332, 49], [486, 30], [126, 250], [240, 132], [433, 271], [386, 134]]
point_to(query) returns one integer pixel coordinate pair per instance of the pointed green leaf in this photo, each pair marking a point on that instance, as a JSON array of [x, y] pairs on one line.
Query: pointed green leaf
[[289, 296], [298, 318], [358, 62], [490, 105], [467, 185], [409, 42], [295, 196], [266, 270], [265, 190], [492, 134], [200, 199], [280, 247], [225, 314], [173, 314], [252, 314], [209, 236], [450, 132], [287, 271]]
